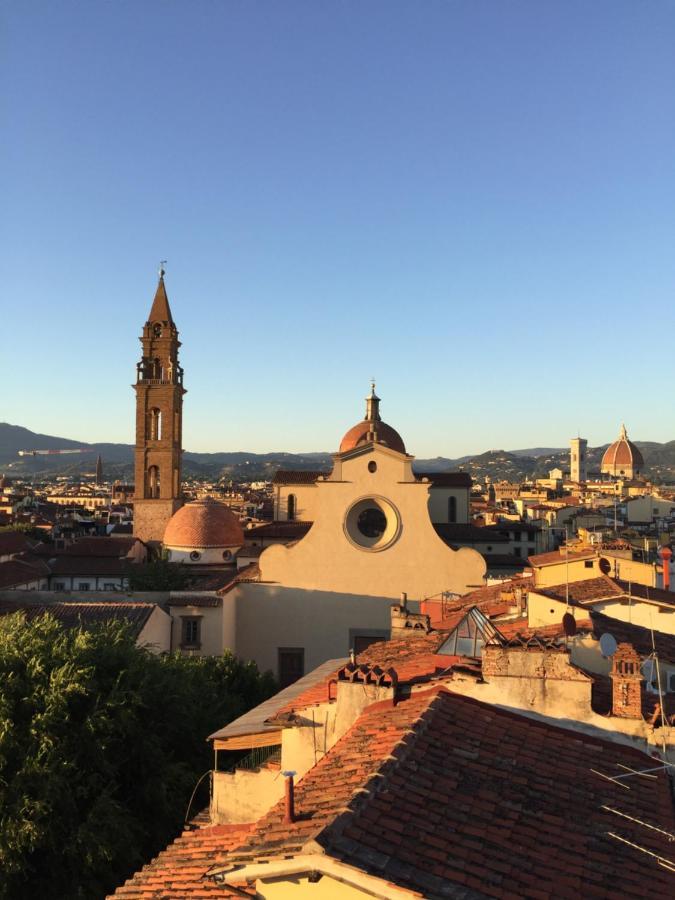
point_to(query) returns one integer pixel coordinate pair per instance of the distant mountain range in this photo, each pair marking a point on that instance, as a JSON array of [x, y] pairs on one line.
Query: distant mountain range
[[241, 466]]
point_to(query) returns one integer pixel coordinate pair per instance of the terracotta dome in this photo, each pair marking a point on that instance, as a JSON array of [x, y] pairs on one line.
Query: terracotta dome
[[202, 524], [372, 429], [622, 456], [359, 435]]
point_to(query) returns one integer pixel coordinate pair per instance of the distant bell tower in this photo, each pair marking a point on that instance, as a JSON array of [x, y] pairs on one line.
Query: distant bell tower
[[578, 459], [99, 470], [159, 422]]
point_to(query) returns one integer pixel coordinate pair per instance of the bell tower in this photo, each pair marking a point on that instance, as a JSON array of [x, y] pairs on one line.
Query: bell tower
[[159, 422]]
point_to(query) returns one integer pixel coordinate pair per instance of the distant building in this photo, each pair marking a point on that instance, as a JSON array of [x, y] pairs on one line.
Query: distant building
[[622, 459], [578, 470], [99, 470]]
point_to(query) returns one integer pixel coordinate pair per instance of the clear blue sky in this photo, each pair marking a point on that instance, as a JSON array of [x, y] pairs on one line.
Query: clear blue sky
[[472, 201]]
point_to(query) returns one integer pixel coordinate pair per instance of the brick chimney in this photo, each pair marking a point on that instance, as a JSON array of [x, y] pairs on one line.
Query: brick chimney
[[407, 624], [626, 678]]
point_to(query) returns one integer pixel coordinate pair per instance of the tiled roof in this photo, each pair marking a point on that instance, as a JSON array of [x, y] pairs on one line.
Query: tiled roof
[[640, 638], [177, 873], [202, 524], [588, 591], [72, 614], [278, 530], [16, 571], [385, 434], [556, 557], [90, 565], [160, 310], [446, 479], [14, 542], [442, 794], [203, 600], [289, 476], [473, 534], [644, 592]]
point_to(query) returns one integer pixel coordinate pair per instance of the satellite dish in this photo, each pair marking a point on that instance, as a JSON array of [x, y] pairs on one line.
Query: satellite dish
[[569, 624], [605, 566], [608, 644]]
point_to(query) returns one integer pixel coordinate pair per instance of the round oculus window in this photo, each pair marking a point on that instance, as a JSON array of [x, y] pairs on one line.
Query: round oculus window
[[372, 523], [195, 555]]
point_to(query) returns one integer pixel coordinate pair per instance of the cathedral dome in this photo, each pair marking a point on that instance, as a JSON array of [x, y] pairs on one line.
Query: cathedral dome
[[203, 524], [622, 457], [372, 429]]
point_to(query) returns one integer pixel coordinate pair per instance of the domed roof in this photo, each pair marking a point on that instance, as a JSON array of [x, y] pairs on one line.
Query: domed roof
[[362, 433], [203, 523], [372, 429], [622, 453]]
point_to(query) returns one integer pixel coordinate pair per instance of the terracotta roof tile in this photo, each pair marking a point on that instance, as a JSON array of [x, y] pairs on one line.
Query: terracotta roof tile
[[300, 476]]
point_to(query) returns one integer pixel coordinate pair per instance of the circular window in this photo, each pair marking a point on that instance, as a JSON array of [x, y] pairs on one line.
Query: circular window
[[372, 466], [227, 554], [195, 555], [372, 523]]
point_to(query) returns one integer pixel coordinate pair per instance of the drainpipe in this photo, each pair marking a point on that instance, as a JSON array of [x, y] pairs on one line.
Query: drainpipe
[[666, 554], [289, 809]]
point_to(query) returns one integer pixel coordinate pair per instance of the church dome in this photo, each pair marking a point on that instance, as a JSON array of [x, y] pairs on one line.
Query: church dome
[[372, 429], [622, 456], [203, 524]]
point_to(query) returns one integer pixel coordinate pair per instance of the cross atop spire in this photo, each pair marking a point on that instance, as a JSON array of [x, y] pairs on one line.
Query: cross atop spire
[[160, 311], [623, 434]]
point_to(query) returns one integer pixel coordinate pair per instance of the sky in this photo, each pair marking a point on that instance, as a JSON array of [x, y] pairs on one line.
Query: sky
[[472, 202]]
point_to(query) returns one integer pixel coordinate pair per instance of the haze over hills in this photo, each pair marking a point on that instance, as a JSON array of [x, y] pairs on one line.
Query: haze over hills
[[243, 466]]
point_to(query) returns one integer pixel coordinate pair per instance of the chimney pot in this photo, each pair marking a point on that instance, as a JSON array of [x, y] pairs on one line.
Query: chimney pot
[[404, 599], [289, 810]]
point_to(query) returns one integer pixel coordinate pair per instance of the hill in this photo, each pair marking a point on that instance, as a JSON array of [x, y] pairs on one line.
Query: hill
[[513, 465]]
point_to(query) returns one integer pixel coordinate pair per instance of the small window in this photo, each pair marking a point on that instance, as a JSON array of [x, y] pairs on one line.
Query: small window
[[452, 509], [109, 586], [195, 555], [59, 586], [227, 555], [290, 507], [588, 564], [191, 633], [291, 665], [372, 466], [84, 586]]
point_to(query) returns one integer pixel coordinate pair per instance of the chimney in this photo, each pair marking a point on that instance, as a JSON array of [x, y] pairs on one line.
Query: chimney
[[626, 678], [665, 553], [406, 624], [289, 810]]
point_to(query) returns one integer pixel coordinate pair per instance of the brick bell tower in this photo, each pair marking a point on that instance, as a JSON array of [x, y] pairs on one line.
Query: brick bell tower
[[159, 422]]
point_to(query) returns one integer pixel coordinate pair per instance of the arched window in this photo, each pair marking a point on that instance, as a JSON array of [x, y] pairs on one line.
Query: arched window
[[452, 509], [155, 424], [291, 507], [153, 482]]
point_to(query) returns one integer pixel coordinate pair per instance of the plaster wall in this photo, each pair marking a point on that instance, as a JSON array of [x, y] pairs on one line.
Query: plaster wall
[[207, 555], [245, 795], [269, 616], [305, 502], [649, 615], [211, 628], [417, 561], [299, 886], [156, 633], [439, 504]]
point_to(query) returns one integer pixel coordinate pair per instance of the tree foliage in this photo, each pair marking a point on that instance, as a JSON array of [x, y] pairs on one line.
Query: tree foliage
[[159, 575], [101, 744]]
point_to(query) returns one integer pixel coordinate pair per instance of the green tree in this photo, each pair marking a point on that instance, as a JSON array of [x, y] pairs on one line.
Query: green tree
[[159, 575], [101, 744]]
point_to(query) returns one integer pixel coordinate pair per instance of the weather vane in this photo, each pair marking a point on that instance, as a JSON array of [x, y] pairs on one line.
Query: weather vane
[[162, 268]]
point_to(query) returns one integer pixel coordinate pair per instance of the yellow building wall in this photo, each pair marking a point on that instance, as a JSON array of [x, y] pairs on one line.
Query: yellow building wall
[[298, 886]]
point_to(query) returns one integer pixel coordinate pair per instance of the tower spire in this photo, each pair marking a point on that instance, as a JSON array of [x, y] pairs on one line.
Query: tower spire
[[160, 310]]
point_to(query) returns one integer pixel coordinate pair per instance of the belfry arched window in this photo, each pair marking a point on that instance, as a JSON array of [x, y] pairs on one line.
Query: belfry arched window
[[155, 424], [291, 507], [153, 482]]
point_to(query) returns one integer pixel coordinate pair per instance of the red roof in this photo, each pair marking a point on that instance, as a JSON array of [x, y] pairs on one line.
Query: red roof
[[358, 435], [288, 476], [160, 311], [203, 524], [443, 794]]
